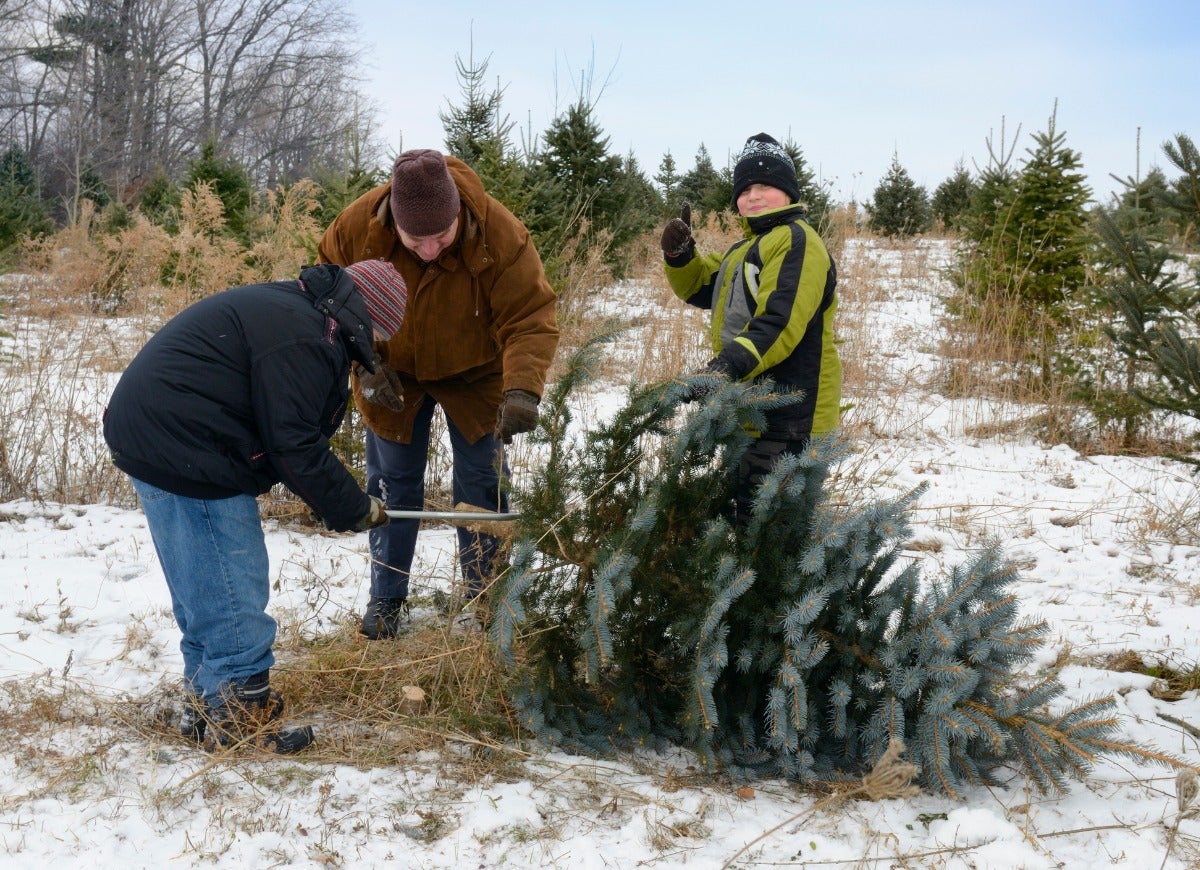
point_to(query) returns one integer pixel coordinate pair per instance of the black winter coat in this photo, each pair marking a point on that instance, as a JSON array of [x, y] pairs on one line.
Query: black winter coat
[[242, 390]]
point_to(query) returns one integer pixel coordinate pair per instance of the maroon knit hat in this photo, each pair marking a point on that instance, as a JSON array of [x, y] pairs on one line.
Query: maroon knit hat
[[384, 291], [424, 197]]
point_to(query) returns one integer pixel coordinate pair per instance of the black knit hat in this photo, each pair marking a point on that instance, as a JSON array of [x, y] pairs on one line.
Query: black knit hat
[[763, 161]]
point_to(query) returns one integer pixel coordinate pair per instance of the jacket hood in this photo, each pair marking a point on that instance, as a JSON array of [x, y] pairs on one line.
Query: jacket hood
[[334, 294]]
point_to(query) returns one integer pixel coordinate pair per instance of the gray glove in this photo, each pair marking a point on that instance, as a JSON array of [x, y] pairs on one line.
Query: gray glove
[[382, 388]]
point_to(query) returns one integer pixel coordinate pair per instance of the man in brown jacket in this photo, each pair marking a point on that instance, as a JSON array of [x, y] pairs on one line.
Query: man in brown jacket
[[479, 335]]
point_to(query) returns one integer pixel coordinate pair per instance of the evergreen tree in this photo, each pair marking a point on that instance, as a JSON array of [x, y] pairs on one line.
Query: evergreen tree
[[1132, 257], [1142, 205], [981, 272], [636, 612], [668, 180], [159, 201], [1045, 241], [1184, 195], [1156, 296], [952, 198], [987, 216], [600, 186], [22, 212], [1046, 229], [641, 206], [352, 173], [704, 187], [479, 133], [1026, 244], [813, 196], [230, 182], [900, 207], [93, 187], [340, 187], [476, 127], [576, 155]]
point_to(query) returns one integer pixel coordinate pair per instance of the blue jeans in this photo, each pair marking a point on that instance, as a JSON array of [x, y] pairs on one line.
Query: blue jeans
[[396, 474], [214, 556]]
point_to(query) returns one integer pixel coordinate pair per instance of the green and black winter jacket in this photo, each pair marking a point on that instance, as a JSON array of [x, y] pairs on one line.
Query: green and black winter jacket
[[773, 297]]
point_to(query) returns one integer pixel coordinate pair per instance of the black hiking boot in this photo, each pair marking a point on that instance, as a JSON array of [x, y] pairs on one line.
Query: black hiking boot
[[384, 617], [249, 714]]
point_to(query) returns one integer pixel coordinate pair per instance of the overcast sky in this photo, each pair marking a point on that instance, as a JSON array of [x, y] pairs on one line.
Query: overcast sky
[[852, 82]]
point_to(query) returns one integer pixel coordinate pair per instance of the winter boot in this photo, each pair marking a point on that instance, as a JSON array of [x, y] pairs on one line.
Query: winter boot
[[384, 618], [191, 719], [249, 713]]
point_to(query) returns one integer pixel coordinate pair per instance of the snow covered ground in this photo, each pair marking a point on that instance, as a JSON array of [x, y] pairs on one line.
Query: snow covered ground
[[85, 607]]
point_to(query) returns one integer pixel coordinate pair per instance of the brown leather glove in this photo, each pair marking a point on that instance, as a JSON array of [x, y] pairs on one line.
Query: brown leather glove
[[518, 413], [382, 388], [376, 516], [677, 237]]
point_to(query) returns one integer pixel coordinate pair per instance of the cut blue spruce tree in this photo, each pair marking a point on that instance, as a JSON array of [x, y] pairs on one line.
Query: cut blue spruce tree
[[635, 614]]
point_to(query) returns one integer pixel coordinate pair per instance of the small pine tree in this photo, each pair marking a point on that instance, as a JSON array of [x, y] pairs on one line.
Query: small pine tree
[[231, 184], [1048, 220], [1141, 205], [987, 216], [342, 183], [1047, 240], [476, 127], [704, 187], [92, 186], [952, 198], [1184, 196], [900, 206], [1130, 257], [576, 155], [1156, 299], [813, 196], [22, 212], [636, 612], [641, 207], [980, 271], [1026, 246], [668, 181], [159, 201]]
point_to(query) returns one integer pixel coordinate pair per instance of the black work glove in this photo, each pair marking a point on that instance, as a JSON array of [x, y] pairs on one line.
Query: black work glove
[[376, 516], [382, 388], [697, 390], [677, 235], [518, 413]]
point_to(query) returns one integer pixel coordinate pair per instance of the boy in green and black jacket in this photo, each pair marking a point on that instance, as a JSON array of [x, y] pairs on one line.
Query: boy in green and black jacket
[[773, 298]]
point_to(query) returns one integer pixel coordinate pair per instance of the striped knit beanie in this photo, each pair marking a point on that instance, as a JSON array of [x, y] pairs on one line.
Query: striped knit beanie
[[763, 161], [384, 291]]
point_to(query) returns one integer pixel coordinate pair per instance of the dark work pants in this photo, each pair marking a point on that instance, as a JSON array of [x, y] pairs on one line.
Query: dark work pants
[[756, 463], [396, 474]]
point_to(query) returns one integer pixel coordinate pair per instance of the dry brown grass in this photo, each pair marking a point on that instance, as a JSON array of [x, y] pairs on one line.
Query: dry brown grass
[[145, 268], [354, 689]]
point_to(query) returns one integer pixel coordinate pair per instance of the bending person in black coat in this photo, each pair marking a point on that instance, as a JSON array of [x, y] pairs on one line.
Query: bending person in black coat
[[238, 392]]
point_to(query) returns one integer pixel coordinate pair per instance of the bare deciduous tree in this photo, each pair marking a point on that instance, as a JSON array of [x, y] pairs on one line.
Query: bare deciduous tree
[[125, 89]]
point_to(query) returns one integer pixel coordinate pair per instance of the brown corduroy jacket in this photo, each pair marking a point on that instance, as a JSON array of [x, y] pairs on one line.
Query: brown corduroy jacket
[[481, 318]]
